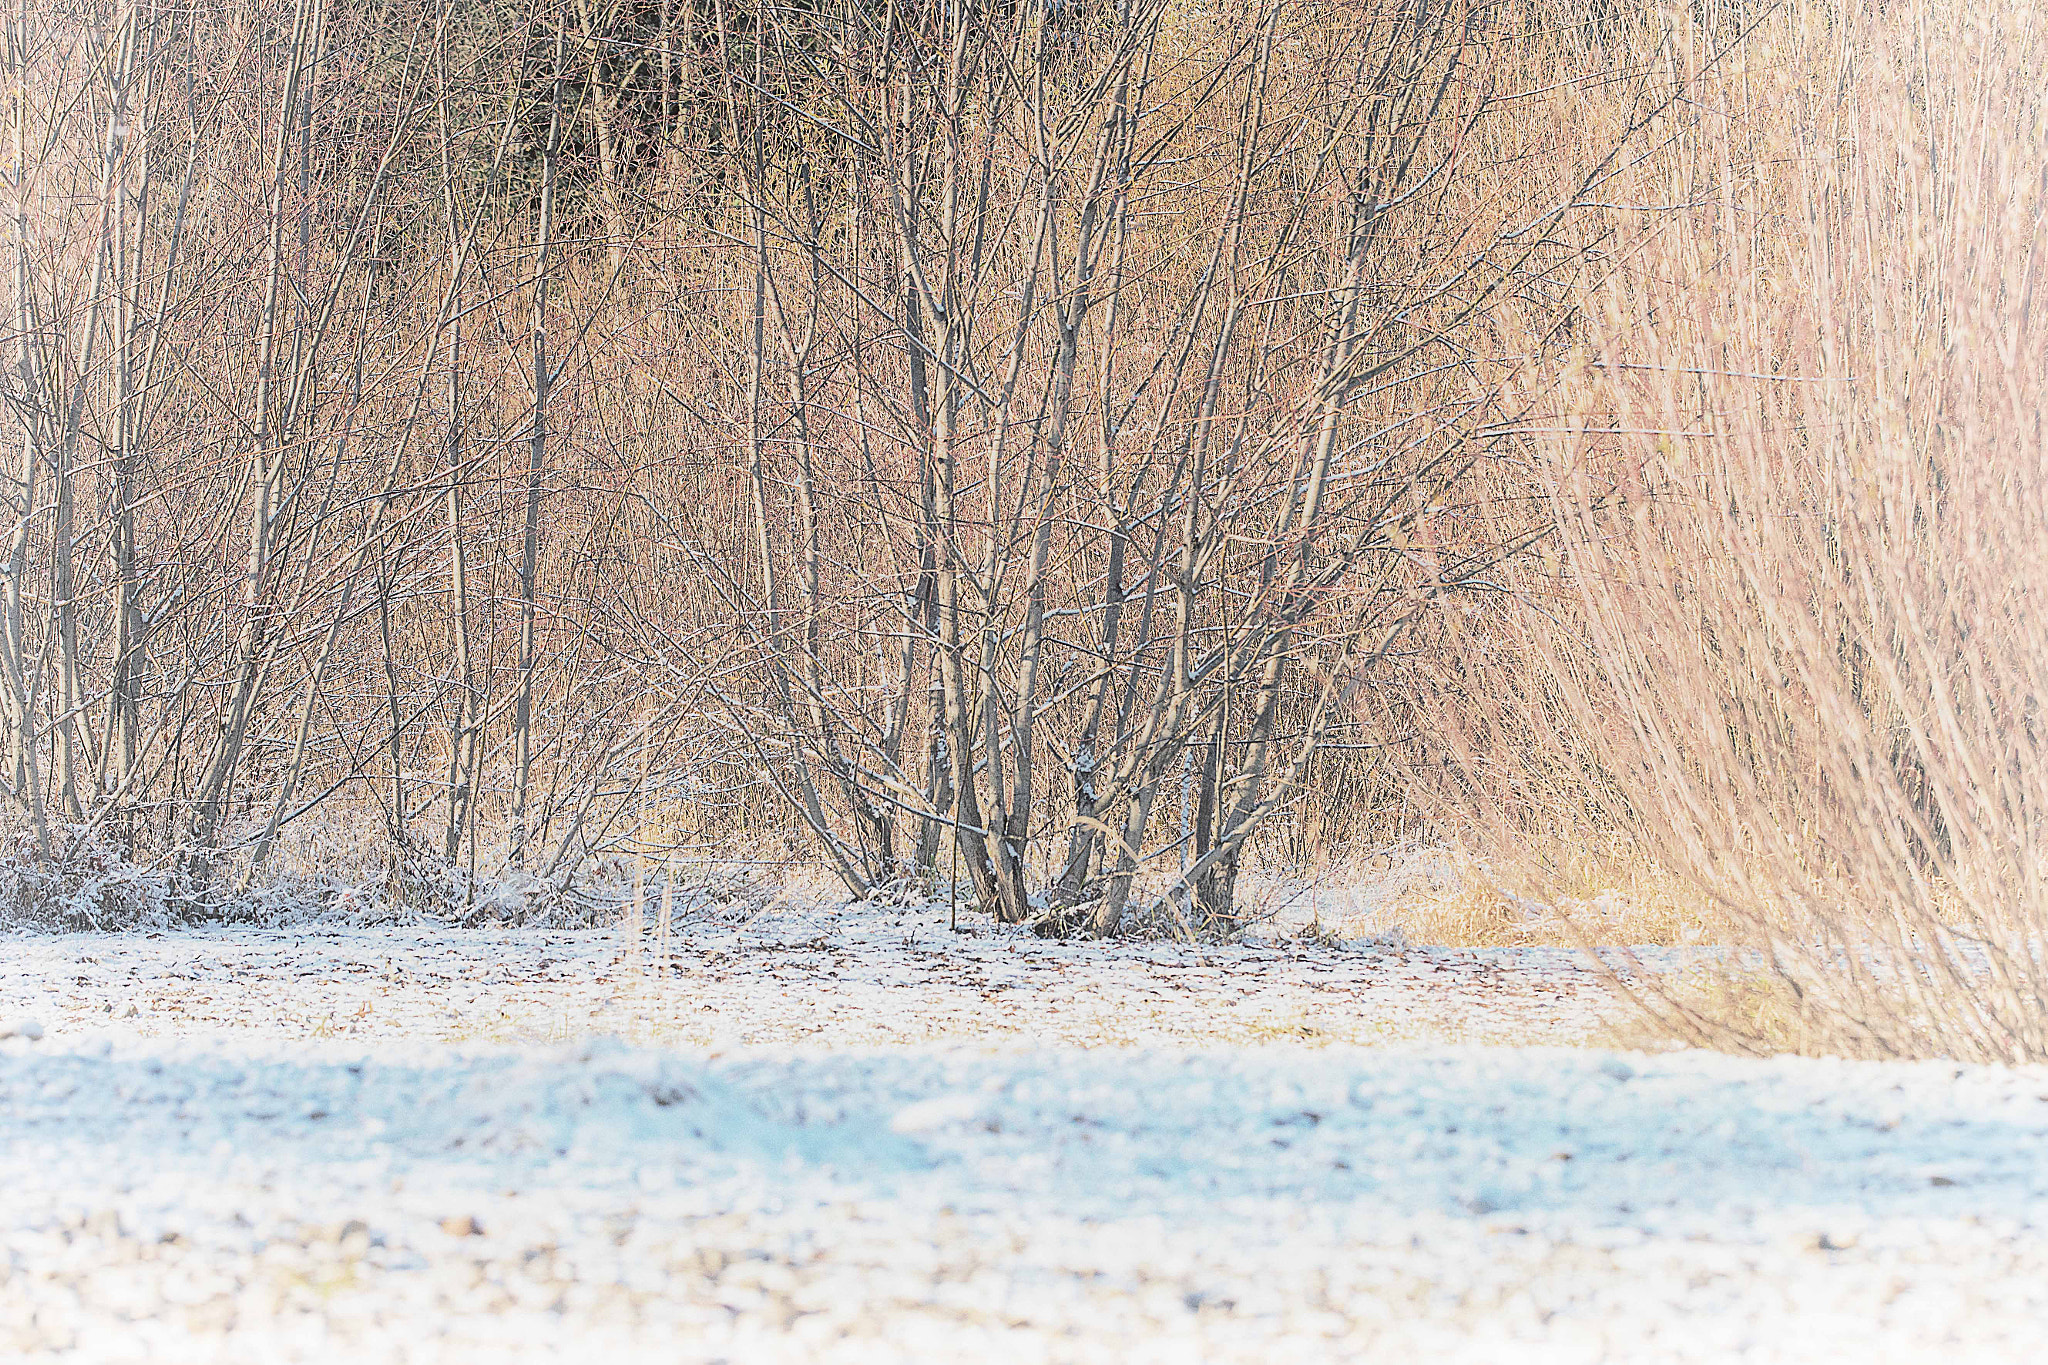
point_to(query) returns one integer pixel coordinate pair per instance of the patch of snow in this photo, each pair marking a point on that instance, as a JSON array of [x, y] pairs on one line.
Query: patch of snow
[[819, 1133], [822, 973], [203, 1200]]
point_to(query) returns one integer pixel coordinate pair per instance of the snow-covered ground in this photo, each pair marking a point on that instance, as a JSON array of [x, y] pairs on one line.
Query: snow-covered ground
[[803, 974], [851, 1135]]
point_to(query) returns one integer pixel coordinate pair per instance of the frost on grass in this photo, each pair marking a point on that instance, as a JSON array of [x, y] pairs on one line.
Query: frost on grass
[[734, 971], [182, 1200], [797, 1130], [331, 878]]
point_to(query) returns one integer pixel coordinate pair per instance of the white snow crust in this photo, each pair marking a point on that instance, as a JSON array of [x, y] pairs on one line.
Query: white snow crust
[[848, 1135]]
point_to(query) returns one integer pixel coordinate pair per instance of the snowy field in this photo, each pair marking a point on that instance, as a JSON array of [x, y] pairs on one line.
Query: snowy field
[[807, 1135]]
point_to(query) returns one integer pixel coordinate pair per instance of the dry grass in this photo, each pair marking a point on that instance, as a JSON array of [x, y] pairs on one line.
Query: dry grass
[[1595, 890], [1788, 635], [1749, 1002]]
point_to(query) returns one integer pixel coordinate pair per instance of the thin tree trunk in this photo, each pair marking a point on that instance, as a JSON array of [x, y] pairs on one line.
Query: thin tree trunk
[[23, 778], [460, 769], [536, 461]]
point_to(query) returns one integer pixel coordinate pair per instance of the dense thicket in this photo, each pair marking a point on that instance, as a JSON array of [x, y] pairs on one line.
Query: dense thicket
[[511, 435], [1050, 446]]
